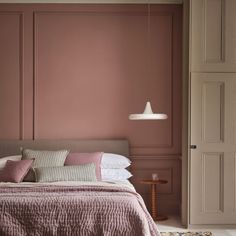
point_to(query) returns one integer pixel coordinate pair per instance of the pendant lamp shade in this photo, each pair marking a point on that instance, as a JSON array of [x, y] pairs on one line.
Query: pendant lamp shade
[[148, 114]]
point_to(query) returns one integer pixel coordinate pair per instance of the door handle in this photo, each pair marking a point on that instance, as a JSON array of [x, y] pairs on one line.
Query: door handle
[[193, 146]]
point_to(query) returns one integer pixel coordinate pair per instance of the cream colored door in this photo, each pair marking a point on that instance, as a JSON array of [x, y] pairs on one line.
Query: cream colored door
[[213, 162]]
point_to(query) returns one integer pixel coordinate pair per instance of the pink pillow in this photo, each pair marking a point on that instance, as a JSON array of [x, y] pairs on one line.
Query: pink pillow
[[85, 158], [15, 171]]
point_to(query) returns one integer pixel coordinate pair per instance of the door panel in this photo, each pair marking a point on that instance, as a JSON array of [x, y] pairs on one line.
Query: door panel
[[213, 35], [212, 175], [213, 162], [212, 111]]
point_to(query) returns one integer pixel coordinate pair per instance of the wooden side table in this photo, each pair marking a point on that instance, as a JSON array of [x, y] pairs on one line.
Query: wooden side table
[[153, 184]]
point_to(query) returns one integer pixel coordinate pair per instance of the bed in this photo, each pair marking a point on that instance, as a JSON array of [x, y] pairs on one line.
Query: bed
[[64, 208]]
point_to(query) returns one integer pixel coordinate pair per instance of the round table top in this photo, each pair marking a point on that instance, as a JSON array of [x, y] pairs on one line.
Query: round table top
[[151, 181]]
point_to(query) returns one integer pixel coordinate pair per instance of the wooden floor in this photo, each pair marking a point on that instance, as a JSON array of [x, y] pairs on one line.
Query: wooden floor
[[173, 224]]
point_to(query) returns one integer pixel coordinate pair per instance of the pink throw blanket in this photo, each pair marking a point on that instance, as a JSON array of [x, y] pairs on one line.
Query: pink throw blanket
[[68, 211]]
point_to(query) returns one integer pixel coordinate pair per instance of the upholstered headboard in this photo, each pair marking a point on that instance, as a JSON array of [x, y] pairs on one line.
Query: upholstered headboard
[[12, 147]]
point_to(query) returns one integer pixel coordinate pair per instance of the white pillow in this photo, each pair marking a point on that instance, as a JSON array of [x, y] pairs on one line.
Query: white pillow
[[114, 161], [4, 160], [115, 174]]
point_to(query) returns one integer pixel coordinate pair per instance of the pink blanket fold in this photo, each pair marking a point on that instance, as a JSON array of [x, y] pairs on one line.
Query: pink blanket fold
[[69, 211]]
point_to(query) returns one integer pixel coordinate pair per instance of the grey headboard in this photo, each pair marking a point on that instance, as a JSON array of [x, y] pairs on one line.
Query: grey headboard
[[12, 147]]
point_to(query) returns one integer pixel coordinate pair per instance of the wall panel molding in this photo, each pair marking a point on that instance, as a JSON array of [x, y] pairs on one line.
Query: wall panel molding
[[210, 178], [214, 31], [213, 93], [144, 148], [21, 60], [157, 157], [35, 53]]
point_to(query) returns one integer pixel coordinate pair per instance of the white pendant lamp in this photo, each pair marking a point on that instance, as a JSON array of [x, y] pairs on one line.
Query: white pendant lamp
[[148, 114]]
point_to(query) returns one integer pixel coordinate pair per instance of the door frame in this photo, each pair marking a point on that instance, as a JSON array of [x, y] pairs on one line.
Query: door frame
[[186, 50]]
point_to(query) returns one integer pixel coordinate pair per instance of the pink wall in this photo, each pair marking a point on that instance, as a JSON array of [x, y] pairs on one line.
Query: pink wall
[[78, 71]]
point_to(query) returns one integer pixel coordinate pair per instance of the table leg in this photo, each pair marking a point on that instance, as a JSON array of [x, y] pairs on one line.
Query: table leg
[[154, 205]]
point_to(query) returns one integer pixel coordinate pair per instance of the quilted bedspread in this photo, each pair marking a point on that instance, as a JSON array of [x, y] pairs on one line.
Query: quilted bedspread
[[74, 210]]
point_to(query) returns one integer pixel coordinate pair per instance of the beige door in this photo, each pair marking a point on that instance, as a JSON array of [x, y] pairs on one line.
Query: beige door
[[213, 162]]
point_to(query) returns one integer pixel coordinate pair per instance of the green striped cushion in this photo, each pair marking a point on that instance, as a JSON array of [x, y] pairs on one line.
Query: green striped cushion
[[45, 158], [85, 172]]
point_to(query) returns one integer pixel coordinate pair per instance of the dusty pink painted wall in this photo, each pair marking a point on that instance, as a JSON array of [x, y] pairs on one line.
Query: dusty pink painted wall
[[78, 71]]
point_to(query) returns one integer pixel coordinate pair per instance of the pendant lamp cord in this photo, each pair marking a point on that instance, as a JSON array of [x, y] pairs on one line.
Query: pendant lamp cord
[[148, 38], [149, 20]]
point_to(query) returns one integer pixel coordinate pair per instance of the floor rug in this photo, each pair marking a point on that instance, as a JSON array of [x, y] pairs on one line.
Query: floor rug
[[187, 234]]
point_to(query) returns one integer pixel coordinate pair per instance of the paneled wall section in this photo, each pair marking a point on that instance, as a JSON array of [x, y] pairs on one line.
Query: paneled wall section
[[78, 71]]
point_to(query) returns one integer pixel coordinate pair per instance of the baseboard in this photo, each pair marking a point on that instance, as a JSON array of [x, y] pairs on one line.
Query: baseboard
[[232, 226]]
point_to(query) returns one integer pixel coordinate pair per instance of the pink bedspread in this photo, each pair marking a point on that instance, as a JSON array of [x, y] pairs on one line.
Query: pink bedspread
[[80, 211]]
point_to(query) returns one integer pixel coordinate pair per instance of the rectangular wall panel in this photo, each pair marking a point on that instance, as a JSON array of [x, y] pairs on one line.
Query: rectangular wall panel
[[213, 112], [213, 30], [11, 75], [90, 57], [212, 169]]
